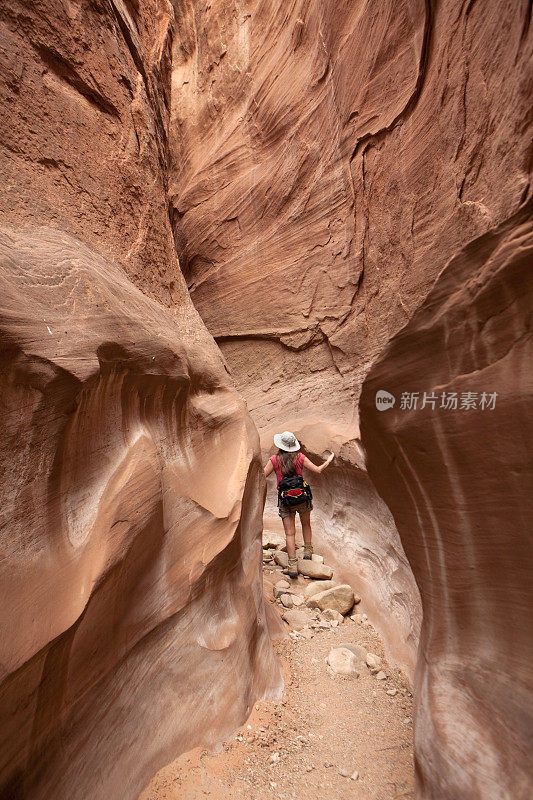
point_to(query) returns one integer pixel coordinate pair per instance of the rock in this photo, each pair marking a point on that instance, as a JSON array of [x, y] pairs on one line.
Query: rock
[[316, 557], [310, 568], [373, 661], [338, 598], [343, 662], [315, 588], [381, 676], [286, 600], [355, 775], [298, 600], [295, 618], [118, 410], [306, 633], [345, 773], [358, 651], [333, 616], [271, 542], [392, 692], [280, 588], [274, 758]]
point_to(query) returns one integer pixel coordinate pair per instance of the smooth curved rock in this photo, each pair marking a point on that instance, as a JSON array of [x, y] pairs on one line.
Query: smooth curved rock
[[132, 623], [457, 480], [131, 516]]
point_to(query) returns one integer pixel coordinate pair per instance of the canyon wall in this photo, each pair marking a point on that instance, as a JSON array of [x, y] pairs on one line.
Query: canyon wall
[[132, 624], [329, 160], [456, 472]]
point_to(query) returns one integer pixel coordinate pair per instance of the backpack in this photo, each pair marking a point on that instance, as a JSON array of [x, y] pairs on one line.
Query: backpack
[[293, 490]]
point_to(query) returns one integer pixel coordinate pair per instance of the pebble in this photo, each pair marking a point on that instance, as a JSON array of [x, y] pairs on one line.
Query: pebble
[[381, 676], [355, 775], [274, 758], [392, 692], [373, 661], [346, 773], [407, 721]]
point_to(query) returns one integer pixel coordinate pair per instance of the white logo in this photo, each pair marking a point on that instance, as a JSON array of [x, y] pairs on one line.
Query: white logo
[[384, 400]]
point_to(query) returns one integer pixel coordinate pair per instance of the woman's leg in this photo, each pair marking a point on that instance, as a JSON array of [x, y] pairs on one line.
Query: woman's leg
[[290, 534], [305, 519]]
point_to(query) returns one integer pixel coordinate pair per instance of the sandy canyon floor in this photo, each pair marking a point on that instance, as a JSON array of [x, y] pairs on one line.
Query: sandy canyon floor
[[330, 736]]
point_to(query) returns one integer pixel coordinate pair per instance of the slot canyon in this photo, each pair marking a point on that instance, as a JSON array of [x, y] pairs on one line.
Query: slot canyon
[[221, 220]]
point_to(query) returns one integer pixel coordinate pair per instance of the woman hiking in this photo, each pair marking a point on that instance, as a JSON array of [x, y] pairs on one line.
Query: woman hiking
[[294, 494]]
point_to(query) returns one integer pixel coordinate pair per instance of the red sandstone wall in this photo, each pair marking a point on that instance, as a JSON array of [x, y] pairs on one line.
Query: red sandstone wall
[[132, 624]]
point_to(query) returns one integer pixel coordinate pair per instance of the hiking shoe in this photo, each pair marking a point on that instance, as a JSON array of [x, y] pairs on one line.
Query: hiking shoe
[[292, 569], [308, 551]]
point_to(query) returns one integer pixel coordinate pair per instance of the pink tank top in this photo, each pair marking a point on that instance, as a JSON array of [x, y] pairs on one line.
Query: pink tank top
[[298, 465]]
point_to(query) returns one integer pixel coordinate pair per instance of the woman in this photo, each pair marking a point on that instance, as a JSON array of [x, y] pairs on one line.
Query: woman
[[285, 464]]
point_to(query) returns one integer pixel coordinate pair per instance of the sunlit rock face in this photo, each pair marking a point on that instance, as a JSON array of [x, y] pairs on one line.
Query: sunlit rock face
[[132, 624], [328, 161], [456, 474]]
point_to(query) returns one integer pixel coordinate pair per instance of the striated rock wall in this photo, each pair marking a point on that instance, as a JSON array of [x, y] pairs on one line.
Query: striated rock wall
[[458, 483], [328, 161], [132, 624]]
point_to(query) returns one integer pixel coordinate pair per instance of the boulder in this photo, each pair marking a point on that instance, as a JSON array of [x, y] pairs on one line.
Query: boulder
[[358, 651], [315, 588], [310, 568], [314, 557], [339, 598], [295, 618], [343, 662], [286, 600], [272, 541]]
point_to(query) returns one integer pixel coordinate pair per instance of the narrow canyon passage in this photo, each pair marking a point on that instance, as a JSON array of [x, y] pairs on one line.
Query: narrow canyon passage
[[330, 734], [218, 221]]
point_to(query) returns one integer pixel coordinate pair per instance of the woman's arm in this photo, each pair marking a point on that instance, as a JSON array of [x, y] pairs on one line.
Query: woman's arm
[[268, 468], [313, 468]]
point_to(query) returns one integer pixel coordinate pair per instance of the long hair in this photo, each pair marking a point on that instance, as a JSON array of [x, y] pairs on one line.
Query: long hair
[[286, 462]]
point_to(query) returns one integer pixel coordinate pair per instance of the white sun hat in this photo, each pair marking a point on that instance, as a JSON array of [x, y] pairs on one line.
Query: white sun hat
[[286, 441]]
